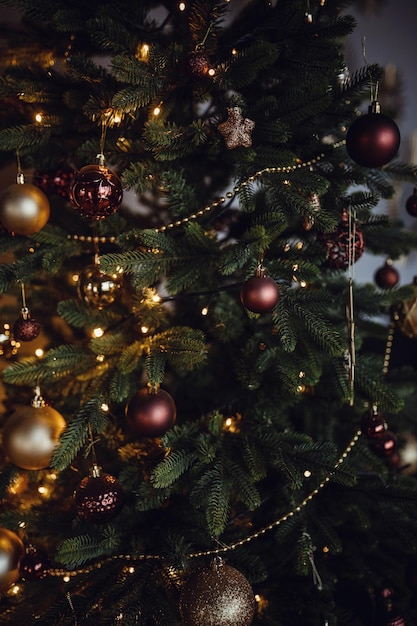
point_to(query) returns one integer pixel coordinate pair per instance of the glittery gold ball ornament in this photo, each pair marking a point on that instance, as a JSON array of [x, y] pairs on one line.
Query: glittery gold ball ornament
[[11, 552], [217, 595], [30, 436], [98, 289], [95, 192], [24, 209]]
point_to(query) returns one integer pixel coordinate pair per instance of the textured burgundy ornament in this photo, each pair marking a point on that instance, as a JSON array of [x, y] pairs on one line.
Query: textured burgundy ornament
[[198, 63], [341, 244], [387, 276], [96, 192], [391, 619], [34, 564], [260, 293], [373, 139], [373, 425], [150, 413], [386, 445], [218, 595], [55, 182], [99, 497], [26, 328], [411, 204]]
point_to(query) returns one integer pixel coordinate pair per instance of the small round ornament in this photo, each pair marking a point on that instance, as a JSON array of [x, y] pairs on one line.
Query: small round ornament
[[56, 182], [31, 434], [99, 497], [11, 553], [373, 424], [385, 446], [24, 208], [9, 347], [198, 63], [344, 245], [98, 289], [150, 413], [373, 139], [26, 328], [260, 293], [411, 204], [387, 276], [95, 192], [34, 564], [217, 595]]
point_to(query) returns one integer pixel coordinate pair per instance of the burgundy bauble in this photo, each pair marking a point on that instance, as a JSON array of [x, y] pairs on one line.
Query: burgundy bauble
[[392, 618], [411, 204], [99, 497], [150, 414], [343, 246], [387, 276], [385, 446], [26, 328], [34, 564], [373, 139], [373, 425], [259, 294], [96, 192], [55, 182], [198, 63]]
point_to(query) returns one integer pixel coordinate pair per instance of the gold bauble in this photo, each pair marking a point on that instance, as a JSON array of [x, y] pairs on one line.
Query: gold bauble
[[98, 289], [24, 209], [30, 436], [11, 552]]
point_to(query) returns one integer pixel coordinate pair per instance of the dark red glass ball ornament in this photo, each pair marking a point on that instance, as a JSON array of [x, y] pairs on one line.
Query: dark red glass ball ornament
[[342, 245], [373, 139], [26, 328], [96, 192], [259, 294], [150, 413], [386, 445], [99, 497], [198, 63], [373, 425], [411, 204], [387, 276], [34, 564]]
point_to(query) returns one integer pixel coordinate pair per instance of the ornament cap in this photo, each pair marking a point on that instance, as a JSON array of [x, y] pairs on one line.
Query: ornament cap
[[95, 471], [375, 107], [38, 401]]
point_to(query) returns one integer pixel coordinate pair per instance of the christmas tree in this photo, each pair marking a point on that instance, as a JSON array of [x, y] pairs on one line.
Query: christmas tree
[[207, 420]]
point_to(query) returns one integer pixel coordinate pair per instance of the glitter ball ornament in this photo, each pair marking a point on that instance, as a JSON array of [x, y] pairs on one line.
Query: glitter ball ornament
[[150, 413], [34, 564], [24, 208], [218, 595], [237, 130], [31, 434], [411, 204], [98, 289], [26, 328], [95, 192], [260, 293], [387, 276], [11, 553], [373, 139], [55, 182], [99, 497], [343, 245], [198, 63]]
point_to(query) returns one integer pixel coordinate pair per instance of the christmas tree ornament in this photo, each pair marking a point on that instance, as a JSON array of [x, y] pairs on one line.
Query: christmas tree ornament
[[217, 595], [314, 201], [411, 204], [345, 245], [405, 316], [26, 328], [260, 293], [387, 614], [387, 276], [8, 344], [56, 182], [373, 424], [386, 445], [99, 497], [150, 412], [34, 564], [96, 192], [24, 208], [11, 553], [198, 63], [98, 289], [236, 130], [373, 139], [31, 434]]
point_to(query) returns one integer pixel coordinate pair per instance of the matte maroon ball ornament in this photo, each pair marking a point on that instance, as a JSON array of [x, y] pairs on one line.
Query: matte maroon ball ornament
[[260, 293], [26, 328], [373, 424], [373, 139], [96, 192], [411, 204], [387, 276], [99, 497], [151, 412], [345, 245]]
